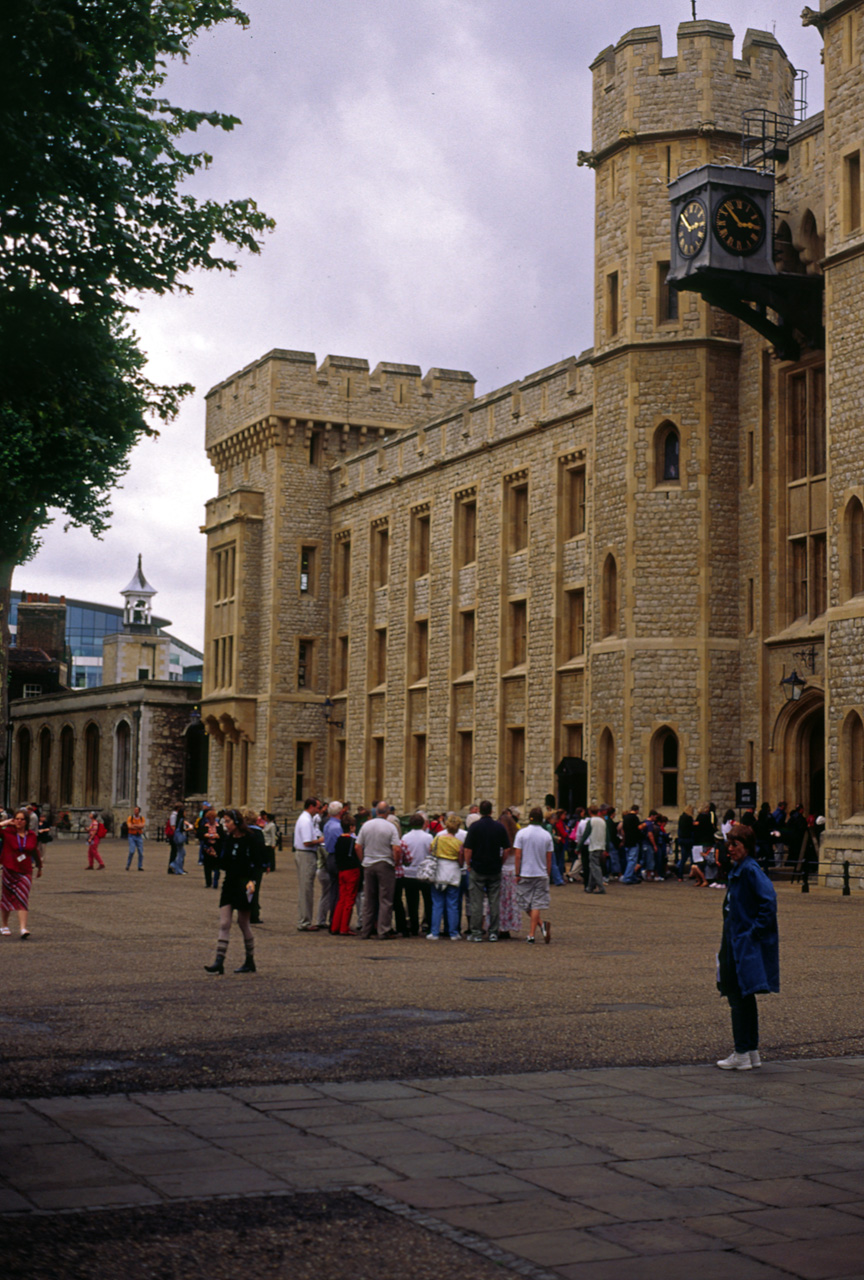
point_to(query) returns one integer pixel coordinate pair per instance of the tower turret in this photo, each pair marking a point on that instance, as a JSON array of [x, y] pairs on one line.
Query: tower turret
[[664, 658]]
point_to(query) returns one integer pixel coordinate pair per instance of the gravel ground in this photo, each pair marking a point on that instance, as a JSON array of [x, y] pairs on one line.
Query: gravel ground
[[110, 993], [303, 1237]]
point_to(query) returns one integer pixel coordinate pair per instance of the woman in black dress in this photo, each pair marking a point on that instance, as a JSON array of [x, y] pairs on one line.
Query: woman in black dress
[[241, 863]]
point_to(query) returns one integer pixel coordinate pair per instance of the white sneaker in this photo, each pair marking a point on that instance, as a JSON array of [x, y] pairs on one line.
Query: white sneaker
[[755, 1060], [431, 937], [736, 1062]]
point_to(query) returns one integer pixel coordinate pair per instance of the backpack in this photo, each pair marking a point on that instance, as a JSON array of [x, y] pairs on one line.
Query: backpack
[[101, 831]]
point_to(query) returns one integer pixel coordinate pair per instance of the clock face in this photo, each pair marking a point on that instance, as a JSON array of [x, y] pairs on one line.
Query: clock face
[[692, 228], [739, 224]]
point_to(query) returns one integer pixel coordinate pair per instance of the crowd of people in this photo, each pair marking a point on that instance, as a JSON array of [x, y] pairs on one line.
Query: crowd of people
[[391, 882]]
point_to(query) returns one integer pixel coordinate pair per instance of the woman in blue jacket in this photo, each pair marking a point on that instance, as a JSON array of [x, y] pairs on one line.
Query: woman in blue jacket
[[749, 959]]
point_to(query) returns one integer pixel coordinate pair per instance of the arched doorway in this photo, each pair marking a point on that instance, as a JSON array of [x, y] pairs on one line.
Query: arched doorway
[[800, 738], [812, 766]]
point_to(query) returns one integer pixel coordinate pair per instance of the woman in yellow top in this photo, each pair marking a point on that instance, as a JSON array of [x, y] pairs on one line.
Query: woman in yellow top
[[445, 891]]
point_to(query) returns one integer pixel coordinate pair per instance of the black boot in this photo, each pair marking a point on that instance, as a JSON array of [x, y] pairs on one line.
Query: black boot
[[218, 966], [248, 966]]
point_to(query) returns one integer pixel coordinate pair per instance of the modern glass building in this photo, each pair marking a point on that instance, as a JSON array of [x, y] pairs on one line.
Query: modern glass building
[[88, 623]]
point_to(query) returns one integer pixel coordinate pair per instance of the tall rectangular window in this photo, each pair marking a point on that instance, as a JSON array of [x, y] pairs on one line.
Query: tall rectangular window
[[341, 768], [574, 624], [380, 556], [306, 674], [852, 191], [819, 575], [308, 567], [667, 297], [420, 543], [302, 771], [574, 502], [518, 637], [379, 656], [798, 554], [612, 318], [341, 665], [417, 770], [225, 560], [514, 766], [376, 768], [466, 532], [750, 608], [465, 646], [517, 517], [806, 463], [464, 772], [343, 568], [420, 651]]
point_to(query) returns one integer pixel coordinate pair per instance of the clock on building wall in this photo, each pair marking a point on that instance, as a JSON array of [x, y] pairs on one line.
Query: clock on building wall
[[722, 224], [720, 220]]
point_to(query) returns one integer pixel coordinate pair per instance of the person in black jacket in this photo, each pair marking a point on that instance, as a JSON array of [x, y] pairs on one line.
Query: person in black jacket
[[241, 859]]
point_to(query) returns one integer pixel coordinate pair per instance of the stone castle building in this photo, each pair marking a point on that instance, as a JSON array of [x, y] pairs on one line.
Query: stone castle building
[[621, 559]]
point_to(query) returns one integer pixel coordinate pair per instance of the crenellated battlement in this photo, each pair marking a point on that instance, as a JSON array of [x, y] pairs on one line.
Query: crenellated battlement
[[341, 391], [637, 90]]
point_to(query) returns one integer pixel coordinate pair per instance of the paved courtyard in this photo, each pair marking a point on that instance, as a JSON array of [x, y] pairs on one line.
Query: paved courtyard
[[548, 1110]]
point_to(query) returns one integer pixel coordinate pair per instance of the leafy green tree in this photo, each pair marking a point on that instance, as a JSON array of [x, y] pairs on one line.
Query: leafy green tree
[[92, 213]]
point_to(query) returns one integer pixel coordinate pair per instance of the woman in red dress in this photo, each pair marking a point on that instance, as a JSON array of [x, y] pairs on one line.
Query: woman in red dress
[[95, 832], [20, 850]]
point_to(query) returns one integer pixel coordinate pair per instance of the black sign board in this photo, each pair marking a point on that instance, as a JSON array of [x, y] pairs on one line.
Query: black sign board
[[745, 795]]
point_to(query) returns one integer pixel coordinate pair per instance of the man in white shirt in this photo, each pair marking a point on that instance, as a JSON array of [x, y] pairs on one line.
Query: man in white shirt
[[380, 846], [533, 859], [595, 834], [306, 842]]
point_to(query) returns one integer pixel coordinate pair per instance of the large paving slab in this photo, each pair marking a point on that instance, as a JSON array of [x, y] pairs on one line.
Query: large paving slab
[[704, 1206]]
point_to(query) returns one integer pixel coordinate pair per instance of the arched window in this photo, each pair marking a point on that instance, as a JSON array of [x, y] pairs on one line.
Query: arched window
[[854, 547], [664, 768], [67, 764], [609, 597], [606, 768], [122, 762], [45, 766], [91, 765], [24, 747], [812, 248], [667, 450], [852, 766]]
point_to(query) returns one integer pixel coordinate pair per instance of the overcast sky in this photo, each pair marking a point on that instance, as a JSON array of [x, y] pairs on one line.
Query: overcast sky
[[419, 157]]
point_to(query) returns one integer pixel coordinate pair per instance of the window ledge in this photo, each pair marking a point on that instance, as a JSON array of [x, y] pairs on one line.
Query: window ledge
[[515, 672], [573, 664], [467, 677], [800, 629], [420, 684], [379, 688]]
